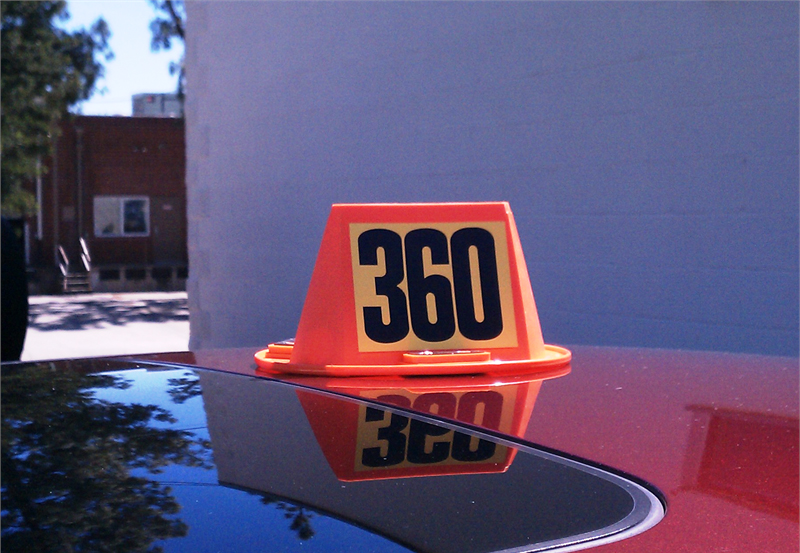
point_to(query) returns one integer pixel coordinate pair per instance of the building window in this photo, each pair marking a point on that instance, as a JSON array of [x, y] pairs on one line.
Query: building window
[[121, 216]]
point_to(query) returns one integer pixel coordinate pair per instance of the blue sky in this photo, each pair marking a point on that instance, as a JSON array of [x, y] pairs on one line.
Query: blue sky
[[134, 69]]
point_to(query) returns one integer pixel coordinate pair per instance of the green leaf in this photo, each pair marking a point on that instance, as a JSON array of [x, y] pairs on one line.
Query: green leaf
[[45, 70]]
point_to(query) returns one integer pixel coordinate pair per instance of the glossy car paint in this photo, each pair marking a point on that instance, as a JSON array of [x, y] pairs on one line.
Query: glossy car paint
[[118, 455], [717, 433]]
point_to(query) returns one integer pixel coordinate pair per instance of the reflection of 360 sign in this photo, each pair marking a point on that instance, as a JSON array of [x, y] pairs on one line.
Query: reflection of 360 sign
[[436, 286], [391, 440]]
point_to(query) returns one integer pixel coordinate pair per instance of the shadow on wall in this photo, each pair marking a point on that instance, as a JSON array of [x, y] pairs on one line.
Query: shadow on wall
[[81, 315]]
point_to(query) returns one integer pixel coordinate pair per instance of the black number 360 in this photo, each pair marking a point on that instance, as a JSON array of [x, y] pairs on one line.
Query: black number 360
[[453, 303]]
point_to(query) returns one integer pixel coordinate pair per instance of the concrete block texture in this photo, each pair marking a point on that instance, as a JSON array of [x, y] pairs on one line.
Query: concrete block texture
[[649, 151]]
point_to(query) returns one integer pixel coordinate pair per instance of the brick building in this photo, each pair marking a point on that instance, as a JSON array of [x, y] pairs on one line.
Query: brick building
[[118, 183]]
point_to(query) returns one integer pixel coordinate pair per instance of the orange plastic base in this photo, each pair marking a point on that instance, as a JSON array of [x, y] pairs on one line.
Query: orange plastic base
[[276, 359]]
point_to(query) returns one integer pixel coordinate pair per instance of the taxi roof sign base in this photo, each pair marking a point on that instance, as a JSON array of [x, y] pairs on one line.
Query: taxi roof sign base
[[556, 357], [424, 383], [395, 260]]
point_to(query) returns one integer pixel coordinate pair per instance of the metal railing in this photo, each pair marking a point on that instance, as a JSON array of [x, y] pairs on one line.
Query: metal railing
[[86, 258], [63, 261]]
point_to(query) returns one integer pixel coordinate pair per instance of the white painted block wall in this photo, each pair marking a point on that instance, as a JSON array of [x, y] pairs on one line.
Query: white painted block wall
[[649, 152]]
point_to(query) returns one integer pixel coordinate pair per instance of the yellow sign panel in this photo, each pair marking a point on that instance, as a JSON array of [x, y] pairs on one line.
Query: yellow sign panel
[[432, 286]]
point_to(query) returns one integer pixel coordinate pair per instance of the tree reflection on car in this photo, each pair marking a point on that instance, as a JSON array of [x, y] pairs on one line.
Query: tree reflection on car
[[67, 461]]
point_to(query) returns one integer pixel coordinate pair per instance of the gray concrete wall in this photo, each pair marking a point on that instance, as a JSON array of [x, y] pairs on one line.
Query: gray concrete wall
[[649, 152]]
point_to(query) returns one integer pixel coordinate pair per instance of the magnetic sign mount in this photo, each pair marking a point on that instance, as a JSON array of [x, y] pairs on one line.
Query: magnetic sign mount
[[417, 289]]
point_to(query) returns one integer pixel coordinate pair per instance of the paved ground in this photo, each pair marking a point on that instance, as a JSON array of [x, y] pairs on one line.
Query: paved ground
[[91, 325]]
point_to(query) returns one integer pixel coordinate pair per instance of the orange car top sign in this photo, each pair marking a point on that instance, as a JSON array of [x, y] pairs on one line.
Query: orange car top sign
[[402, 289]]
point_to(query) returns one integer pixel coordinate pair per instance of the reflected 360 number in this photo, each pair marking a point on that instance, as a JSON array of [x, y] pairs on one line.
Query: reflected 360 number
[[403, 441], [454, 303]]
